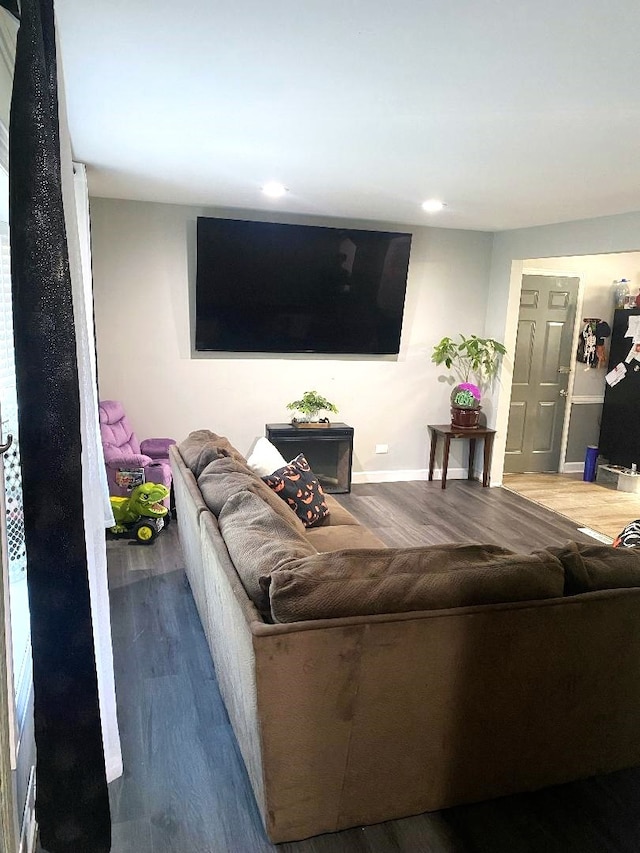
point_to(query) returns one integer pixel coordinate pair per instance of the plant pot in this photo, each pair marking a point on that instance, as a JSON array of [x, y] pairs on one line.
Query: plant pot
[[465, 418], [306, 418]]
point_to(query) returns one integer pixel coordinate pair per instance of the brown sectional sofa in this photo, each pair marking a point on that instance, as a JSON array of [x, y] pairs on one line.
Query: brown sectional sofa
[[437, 676]]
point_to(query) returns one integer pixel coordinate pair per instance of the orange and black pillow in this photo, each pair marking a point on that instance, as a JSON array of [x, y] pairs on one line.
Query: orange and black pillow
[[299, 487]]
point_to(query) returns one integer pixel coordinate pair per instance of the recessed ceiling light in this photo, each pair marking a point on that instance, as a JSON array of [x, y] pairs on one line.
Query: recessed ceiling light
[[432, 205], [273, 189]]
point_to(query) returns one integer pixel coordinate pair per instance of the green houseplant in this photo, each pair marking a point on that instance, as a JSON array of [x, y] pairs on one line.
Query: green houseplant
[[309, 406], [471, 358]]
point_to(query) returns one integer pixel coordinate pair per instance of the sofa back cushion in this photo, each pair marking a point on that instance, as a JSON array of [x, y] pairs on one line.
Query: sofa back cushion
[[224, 477], [590, 567], [202, 446], [258, 541], [394, 580]]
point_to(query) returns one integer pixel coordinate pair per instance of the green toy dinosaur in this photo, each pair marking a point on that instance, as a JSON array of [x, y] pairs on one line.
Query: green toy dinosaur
[[143, 502]]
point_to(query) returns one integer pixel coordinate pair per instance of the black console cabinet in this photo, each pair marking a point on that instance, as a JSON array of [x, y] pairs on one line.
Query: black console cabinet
[[328, 450]]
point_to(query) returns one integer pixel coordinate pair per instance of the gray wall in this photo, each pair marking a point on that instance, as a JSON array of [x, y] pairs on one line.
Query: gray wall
[[584, 429], [144, 264]]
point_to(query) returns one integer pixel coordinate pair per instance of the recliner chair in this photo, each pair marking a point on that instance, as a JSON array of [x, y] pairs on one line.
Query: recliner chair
[[123, 451]]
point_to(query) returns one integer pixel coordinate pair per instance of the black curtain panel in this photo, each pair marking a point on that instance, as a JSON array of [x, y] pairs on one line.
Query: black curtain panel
[[72, 805]]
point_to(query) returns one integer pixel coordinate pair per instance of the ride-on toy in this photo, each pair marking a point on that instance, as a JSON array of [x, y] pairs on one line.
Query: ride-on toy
[[141, 515]]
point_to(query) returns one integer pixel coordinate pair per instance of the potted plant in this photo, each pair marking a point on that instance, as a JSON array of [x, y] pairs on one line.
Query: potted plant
[[470, 358], [309, 406]]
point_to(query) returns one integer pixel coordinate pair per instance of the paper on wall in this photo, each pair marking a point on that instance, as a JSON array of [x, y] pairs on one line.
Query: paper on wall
[[616, 375]]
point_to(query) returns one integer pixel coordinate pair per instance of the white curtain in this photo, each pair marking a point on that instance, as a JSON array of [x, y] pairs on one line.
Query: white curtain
[[97, 510], [87, 350]]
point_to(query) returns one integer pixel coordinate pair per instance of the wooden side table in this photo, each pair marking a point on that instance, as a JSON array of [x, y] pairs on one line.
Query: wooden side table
[[448, 432]]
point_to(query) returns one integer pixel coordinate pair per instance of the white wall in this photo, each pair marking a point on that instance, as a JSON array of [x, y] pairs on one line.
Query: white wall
[[610, 234], [144, 265]]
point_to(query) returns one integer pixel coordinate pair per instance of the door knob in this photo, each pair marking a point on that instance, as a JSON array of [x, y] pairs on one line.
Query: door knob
[[564, 393]]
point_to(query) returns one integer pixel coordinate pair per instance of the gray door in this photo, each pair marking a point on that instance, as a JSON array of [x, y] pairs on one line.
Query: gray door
[[540, 373]]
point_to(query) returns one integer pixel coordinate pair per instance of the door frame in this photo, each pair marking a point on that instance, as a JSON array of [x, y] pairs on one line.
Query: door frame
[[525, 270]]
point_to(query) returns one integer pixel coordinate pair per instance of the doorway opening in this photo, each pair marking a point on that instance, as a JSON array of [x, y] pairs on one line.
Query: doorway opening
[[584, 384]]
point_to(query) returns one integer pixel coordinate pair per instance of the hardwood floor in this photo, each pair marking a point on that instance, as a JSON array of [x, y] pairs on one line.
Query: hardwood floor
[[587, 504], [420, 513], [185, 789]]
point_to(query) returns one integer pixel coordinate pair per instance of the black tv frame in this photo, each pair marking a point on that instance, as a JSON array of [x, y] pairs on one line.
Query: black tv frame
[[347, 301]]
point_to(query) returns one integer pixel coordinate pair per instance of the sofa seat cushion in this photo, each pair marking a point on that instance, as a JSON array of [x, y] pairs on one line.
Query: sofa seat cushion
[[225, 477], [202, 446], [258, 541], [298, 486], [338, 537], [590, 567], [338, 515], [366, 582]]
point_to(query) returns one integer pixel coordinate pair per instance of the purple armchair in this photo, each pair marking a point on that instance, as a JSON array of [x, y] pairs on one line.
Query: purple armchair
[[122, 449]]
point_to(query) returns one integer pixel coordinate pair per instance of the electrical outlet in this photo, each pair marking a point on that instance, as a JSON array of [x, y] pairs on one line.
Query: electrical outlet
[[382, 448]]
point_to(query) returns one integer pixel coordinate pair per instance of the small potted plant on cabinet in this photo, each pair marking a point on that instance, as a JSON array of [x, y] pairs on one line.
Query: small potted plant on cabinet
[[309, 407], [470, 358]]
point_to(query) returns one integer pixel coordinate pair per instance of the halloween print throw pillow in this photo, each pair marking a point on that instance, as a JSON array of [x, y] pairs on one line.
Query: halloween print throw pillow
[[299, 487]]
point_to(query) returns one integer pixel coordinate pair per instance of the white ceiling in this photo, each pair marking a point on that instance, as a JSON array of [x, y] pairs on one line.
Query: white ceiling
[[514, 112]]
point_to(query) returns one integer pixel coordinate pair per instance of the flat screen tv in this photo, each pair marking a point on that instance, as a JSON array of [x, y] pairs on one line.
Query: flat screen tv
[[273, 288]]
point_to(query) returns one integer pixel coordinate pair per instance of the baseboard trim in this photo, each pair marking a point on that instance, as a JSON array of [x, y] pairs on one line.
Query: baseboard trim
[[573, 468], [402, 475]]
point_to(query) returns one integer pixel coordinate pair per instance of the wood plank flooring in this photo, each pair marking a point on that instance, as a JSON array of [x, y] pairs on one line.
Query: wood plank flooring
[[587, 504], [185, 789]]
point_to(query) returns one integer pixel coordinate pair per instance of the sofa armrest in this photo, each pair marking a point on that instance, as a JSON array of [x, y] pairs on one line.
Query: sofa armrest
[[133, 460], [156, 448]]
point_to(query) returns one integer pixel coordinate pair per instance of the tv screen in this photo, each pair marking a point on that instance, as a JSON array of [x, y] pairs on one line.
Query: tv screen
[[273, 288]]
